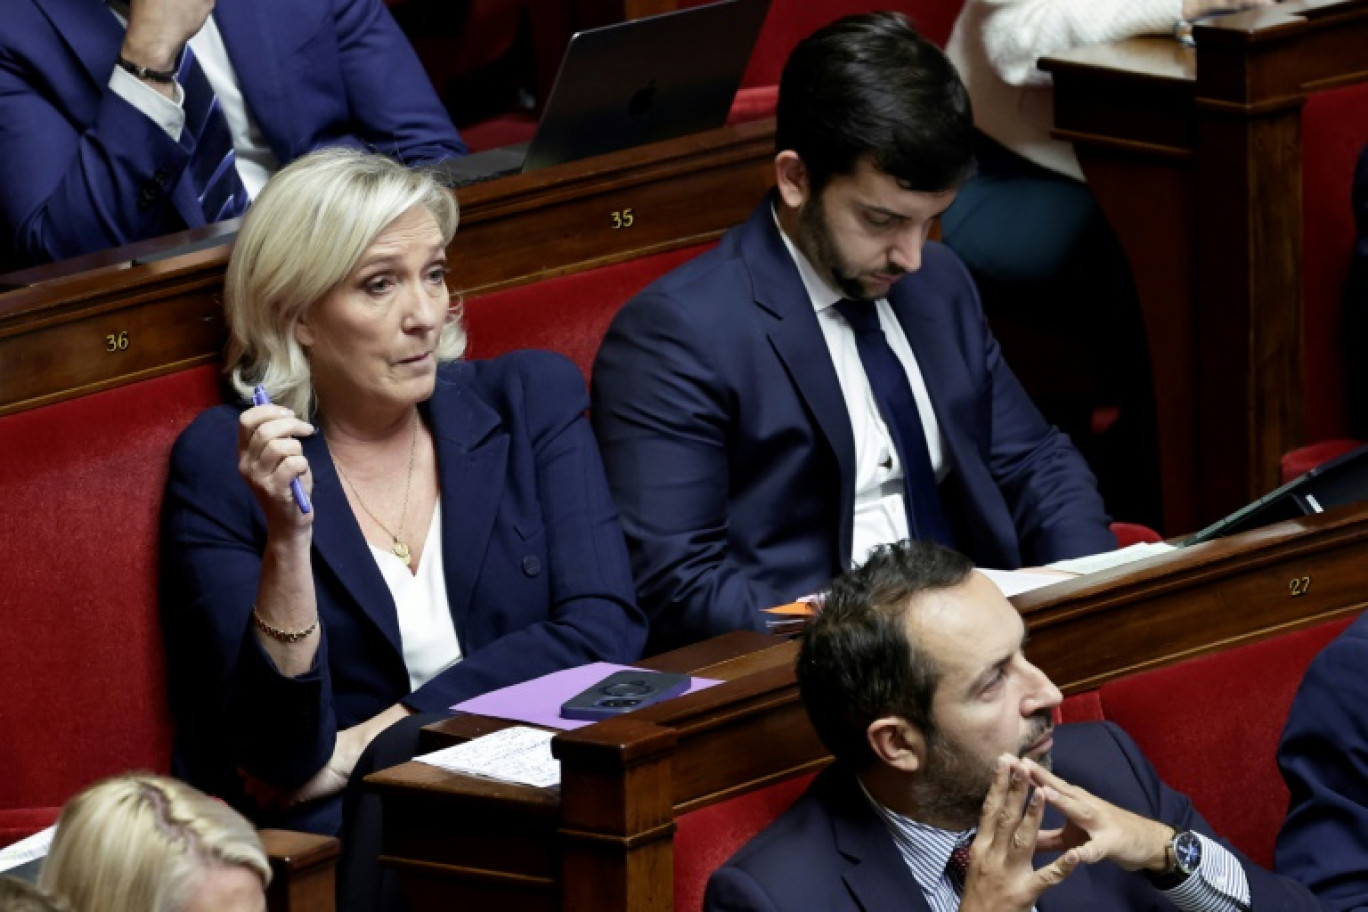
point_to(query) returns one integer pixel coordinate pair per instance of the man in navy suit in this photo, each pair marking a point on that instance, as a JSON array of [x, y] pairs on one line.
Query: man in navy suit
[[752, 450], [953, 789], [1324, 760], [93, 155]]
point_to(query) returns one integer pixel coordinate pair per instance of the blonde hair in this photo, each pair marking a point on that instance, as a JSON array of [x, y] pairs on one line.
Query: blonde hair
[[143, 842], [303, 235], [18, 896]]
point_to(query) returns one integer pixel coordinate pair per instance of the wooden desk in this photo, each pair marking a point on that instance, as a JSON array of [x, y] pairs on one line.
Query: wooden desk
[[1196, 158], [1200, 599], [604, 842], [116, 323]]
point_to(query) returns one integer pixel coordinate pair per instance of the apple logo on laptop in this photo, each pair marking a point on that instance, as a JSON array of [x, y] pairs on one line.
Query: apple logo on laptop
[[642, 100]]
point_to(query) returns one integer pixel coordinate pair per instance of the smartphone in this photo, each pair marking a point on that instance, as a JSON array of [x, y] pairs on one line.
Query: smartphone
[[622, 692]]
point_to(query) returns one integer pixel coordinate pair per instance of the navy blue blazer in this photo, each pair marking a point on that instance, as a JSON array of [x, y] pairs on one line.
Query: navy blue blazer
[[81, 169], [536, 573], [731, 456], [1324, 761], [831, 852]]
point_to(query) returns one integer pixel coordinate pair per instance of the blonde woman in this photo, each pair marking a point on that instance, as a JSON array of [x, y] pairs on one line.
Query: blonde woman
[[145, 843], [460, 535]]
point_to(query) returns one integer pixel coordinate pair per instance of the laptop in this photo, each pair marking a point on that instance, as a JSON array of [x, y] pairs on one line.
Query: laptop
[[1339, 482], [632, 83]]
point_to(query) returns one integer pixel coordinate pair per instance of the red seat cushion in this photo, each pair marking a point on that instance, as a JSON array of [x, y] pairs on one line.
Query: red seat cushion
[[83, 693], [1298, 462], [568, 314], [707, 837], [1211, 727]]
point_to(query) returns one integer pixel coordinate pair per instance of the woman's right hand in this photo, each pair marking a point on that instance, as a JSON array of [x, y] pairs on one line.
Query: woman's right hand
[[269, 458]]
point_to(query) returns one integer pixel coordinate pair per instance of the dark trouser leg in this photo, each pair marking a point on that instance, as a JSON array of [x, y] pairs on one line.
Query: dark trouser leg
[[362, 885]]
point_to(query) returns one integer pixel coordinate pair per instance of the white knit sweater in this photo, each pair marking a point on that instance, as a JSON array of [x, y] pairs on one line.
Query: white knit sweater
[[996, 43]]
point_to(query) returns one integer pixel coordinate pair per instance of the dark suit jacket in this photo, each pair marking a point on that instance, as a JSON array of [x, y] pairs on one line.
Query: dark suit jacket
[[81, 169], [831, 852], [1324, 760], [536, 573], [731, 456]]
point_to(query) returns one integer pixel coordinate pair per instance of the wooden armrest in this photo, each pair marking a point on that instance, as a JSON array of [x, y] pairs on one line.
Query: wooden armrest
[[303, 871]]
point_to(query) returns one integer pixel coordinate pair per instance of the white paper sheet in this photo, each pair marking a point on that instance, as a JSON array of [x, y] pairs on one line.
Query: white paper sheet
[[517, 754]]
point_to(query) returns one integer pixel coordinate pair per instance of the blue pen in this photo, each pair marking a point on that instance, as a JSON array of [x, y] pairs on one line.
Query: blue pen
[[261, 397]]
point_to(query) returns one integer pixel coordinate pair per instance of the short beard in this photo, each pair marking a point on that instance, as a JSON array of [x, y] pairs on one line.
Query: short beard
[[815, 237], [950, 791]]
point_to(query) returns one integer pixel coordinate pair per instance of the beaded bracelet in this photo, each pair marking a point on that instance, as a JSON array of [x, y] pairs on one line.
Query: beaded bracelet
[[284, 636]]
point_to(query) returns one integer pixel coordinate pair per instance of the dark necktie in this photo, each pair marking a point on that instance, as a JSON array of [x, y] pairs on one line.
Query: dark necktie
[[893, 393], [957, 867], [212, 160]]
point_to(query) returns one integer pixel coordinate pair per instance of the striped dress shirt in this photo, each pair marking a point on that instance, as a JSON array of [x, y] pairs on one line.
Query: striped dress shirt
[[1219, 886]]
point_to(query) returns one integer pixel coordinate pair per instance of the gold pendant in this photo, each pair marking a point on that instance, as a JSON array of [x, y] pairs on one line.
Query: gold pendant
[[401, 551]]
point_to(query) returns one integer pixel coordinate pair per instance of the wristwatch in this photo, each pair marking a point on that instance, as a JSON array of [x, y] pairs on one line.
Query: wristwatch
[[1185, 859]]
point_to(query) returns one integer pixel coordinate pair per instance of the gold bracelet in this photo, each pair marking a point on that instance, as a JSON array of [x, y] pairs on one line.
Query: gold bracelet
[[284, 636]]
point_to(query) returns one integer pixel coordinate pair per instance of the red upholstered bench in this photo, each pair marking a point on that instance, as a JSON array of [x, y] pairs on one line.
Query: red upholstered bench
[[1211, 727], [83, 694], [83, 689], [567, 314]]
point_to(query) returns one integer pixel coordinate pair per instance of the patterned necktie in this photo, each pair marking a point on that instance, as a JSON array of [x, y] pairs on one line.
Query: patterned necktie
[[212, 159], [957, 867], [893, 393]]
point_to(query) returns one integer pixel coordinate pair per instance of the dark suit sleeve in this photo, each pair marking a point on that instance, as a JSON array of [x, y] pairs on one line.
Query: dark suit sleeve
[[662, 415], [393, 105], [1050, 491], [592, 615], [732, 889], [1324, 760], [1149, 796], [226, 692], [68, 187]]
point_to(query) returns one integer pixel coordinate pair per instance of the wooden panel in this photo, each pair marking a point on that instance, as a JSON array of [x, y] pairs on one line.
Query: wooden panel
[[1196, 158], [605, 842], [53, 334]]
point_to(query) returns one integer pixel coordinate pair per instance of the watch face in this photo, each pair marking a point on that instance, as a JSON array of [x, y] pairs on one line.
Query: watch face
[[1187, 852]]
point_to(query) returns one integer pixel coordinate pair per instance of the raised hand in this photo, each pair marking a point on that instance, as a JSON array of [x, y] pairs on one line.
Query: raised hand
[[270, 457], [1096, 830], [158, 29], [1002, 876]]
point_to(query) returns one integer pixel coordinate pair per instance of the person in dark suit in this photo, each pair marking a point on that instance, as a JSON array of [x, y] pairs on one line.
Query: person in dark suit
[[752, 450], [93, 156], [1323, 756], [952, 788], [460, 536]]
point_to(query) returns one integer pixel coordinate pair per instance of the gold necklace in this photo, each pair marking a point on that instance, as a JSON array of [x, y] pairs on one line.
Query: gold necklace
[[400, 548]]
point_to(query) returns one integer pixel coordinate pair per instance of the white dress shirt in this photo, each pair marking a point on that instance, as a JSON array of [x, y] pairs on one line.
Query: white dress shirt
[[880, 511], [255, 161]]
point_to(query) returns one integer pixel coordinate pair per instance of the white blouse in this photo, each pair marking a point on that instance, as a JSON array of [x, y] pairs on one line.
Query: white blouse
[[425, 626]]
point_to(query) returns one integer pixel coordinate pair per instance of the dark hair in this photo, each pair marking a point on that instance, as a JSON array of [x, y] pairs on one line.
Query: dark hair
[[857, 663], [872, 85]]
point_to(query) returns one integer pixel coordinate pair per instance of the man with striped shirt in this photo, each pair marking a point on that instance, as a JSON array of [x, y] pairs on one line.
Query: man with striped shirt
[[953, 788]]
